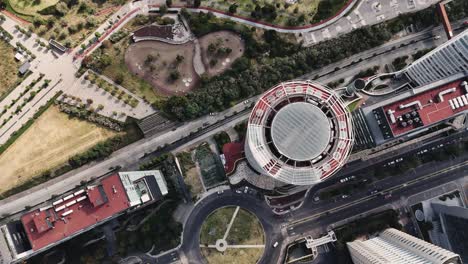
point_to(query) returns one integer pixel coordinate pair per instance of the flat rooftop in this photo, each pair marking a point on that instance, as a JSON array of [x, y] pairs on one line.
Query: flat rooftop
[[423, 104], [426, 108], [70, 215]]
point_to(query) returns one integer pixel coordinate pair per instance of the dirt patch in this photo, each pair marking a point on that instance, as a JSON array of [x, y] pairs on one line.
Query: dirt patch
[[219, 50], [9, 67], [48, 143], [169, 68]]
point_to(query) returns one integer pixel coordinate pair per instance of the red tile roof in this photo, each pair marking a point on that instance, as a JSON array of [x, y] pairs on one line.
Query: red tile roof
[[432, 110], [48, 226]]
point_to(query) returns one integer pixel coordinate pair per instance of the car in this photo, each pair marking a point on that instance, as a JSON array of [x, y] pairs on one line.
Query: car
[[275, 244], [436, 37], [246, 101], [399, 160], [344, 180], [238, 191], [220, 191], [206, 124], [246, 189], [465, 24], [388, 196], [374, 191], [352, 177], [344, 196], [212, 114]]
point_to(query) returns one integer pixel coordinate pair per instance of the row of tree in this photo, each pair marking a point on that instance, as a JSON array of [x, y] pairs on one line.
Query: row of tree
[[272, 60]]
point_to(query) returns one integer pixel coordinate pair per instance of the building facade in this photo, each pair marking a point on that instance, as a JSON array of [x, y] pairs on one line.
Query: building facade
[[396, 247], [444, 61], [451, 225]]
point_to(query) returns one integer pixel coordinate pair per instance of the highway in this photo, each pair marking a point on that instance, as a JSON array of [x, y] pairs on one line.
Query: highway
[[312, 216], [129, 157]]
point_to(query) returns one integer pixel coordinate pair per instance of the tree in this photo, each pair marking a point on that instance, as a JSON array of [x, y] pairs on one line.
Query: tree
[[179, 58], [61, 8], [163, 9], [233, 8], [174, 75], [149, 59], [89, 101], [119, 78], [196, 3], [168, 2]]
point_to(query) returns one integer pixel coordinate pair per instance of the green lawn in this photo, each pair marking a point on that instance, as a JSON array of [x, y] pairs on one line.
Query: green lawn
[[303, 12], [246, 230], [31, 7], [215, 225]]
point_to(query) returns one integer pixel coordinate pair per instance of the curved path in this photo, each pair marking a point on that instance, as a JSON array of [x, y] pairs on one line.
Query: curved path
[[189, 248]]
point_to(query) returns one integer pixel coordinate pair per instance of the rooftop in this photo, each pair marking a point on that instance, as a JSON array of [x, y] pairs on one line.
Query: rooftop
[[75, 212], [426, 108], [301, 131], [143, 186]]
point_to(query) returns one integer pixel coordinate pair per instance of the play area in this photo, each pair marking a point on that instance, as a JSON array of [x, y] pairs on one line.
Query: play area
[[219, 50], [169, 68]]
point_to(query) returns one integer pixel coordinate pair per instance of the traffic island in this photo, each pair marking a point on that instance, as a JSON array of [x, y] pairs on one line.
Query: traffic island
[[232, 235]]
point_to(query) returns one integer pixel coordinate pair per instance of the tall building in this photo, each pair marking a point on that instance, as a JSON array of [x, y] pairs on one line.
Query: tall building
[[396, 247], [299, 133], [451, 226], [444, 61], [78, 211]]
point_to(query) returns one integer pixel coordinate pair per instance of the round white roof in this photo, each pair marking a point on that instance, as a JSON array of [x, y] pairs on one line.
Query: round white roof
[[300, 131]]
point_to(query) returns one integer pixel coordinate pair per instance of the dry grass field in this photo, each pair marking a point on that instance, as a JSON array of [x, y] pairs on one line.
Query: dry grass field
[[48, 143], [8, 67], [215, 61]]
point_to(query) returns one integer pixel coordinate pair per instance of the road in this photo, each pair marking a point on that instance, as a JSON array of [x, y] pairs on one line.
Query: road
[[312, 216], [129, 157]]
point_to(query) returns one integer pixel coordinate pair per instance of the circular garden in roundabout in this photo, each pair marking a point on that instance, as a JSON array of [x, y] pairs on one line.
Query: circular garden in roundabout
[[232, 235]]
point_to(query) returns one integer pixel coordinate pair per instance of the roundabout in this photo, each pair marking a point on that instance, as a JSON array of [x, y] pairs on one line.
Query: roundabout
[[227, 226], [232, 234]]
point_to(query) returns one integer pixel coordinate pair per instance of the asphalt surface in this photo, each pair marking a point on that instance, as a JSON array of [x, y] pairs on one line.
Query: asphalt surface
[[316, 217]]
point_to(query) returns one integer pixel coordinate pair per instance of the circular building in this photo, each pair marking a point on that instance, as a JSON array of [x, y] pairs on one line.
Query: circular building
[[299, 132]]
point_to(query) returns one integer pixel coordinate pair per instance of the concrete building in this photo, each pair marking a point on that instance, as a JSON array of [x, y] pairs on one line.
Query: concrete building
[[414, 111], [444, 61], [396, 247], [451, 224], [78, 211], [299, 133]]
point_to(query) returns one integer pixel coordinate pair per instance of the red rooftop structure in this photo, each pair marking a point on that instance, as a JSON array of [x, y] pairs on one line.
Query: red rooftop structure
[[427, 108], [75, 213]]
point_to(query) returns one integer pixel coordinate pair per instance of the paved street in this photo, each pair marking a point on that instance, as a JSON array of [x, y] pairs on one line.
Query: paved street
[[367, 12], [312, 218], [130, 156]]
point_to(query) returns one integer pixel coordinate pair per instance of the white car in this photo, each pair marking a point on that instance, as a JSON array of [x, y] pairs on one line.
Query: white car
[[275, 244]]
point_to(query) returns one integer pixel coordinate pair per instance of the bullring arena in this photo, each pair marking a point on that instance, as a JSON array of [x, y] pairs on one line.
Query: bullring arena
[[299, 132]]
